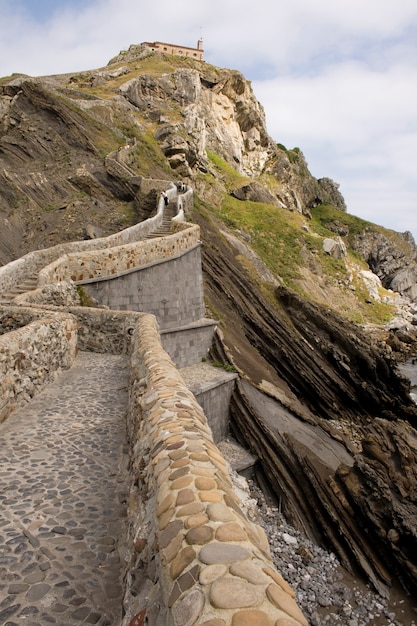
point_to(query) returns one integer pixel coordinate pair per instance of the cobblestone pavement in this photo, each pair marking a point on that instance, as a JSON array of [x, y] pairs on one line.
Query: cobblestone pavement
[[63, 477]]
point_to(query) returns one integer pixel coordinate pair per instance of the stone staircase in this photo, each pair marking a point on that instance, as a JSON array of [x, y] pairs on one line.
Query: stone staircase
[[165, 229], [29, 284]]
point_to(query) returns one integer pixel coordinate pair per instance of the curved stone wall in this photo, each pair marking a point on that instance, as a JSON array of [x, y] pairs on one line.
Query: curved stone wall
[[16, 271], [99, 264], [195, 554]]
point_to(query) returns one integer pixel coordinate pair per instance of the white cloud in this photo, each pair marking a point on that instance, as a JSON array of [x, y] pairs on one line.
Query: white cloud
[[337, 79]]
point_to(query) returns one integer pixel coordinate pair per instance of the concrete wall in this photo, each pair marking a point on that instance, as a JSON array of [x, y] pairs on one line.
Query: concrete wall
[[214, 399], [189, 344], [170, 289]]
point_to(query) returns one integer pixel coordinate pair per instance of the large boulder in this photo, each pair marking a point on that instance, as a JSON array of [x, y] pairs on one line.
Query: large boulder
[[334, 247], [256, 193]]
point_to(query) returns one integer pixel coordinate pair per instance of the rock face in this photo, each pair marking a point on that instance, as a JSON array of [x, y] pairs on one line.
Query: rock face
[[334, 247], [241, 139], [52, 177], [379, 491], [256, 193], [330, 432], [396, 265]]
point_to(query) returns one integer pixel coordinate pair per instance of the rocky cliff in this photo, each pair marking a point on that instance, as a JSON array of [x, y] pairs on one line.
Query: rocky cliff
[[321, 401]]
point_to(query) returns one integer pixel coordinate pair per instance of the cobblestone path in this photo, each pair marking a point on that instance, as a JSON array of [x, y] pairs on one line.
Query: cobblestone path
[[63, 475]]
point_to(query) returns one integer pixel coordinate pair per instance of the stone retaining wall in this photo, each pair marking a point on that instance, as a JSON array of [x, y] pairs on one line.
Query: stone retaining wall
[[196, 558], [189, 344], [16, 271], [34, 346], [214, 399], [178, 299], [99, 264]]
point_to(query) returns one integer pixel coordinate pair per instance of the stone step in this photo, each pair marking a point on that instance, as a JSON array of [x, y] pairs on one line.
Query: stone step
[[28, 284]]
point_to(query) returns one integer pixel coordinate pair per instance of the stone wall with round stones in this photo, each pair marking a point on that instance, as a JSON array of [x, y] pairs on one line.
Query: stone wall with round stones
[[195, 557]]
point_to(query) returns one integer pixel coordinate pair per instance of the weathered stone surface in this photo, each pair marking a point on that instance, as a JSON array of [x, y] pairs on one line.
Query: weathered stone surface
[[194, 508], [250, 571], [256, 193], [232, 593], [183, 583], [196, 520], [336, 248], [181, 561], [286, 621], [199, 535], [189, 608], [230, 532], [222, 553], [212, 572], [286, 603], [276, 576], [204, 483], [219, 512], [181, 483], [170, 532], [166, 503], [172, 549], [250, 617], [185, 496], [210, 496]]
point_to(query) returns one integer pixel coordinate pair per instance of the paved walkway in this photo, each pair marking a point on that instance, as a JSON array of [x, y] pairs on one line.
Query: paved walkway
[[63, 476]]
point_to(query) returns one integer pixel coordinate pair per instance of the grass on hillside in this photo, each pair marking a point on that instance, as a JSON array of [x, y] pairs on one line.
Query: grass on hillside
[[293, 254]]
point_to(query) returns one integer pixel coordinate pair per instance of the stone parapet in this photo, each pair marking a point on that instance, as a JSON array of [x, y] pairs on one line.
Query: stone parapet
[[34, 346], [94, 265], [196, 558], [16, 271]]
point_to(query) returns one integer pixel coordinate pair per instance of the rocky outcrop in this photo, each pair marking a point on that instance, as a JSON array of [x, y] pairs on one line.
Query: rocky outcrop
[[204, 98], [393, 259], [255, 193], [319, 390], [334, 247], [299, 190], [379, 493]]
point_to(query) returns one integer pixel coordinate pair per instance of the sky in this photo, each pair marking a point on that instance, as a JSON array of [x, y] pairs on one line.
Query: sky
[[336, 79]]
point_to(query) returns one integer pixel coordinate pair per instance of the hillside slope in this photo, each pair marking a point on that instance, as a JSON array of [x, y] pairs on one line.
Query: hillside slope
[[295, 315]]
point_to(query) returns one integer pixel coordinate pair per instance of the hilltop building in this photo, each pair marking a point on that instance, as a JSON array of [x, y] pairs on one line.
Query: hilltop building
[[169, 48]]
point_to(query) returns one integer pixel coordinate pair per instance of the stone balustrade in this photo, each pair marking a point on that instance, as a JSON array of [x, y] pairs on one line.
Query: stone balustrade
[[196, 557]]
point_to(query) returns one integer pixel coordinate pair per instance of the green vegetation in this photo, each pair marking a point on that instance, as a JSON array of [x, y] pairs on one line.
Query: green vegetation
[[228, 367], [150, 158], [227, 173], [85, 298], [275, 234], [293, 154], [325, 214], [295, 255]]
